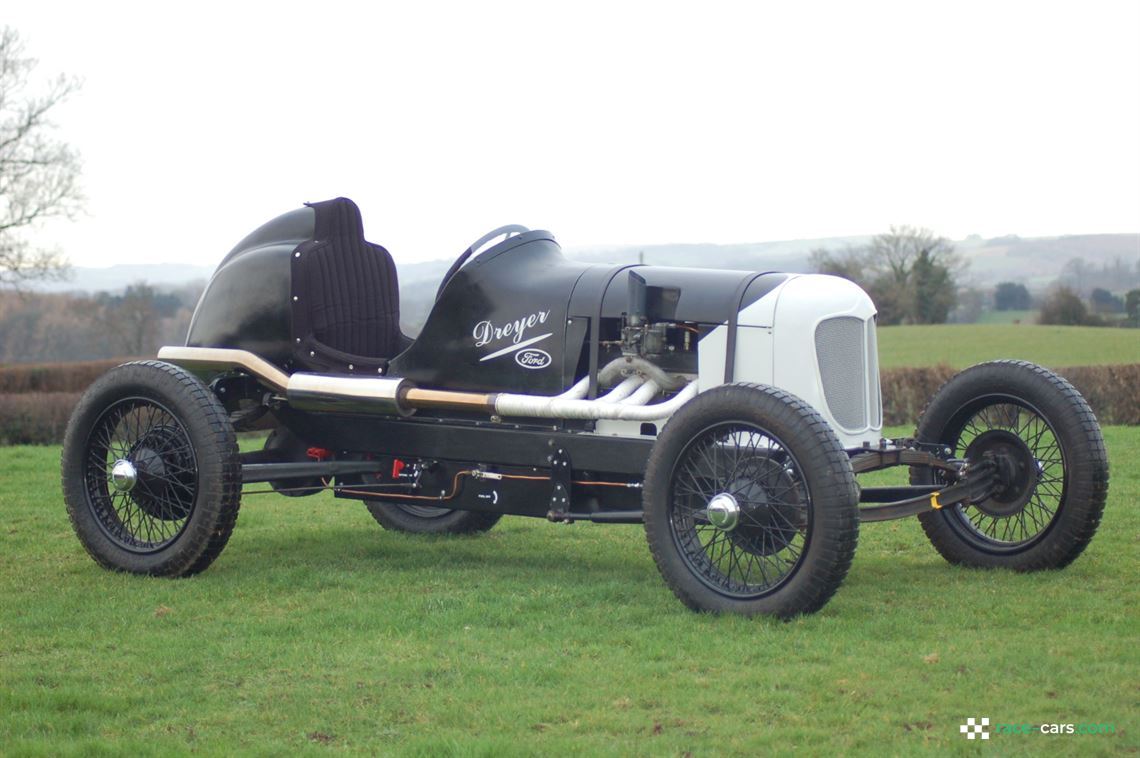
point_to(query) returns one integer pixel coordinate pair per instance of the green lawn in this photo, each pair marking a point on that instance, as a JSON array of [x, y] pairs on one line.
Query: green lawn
[[962, 345], [1008, 317], [316, 631]]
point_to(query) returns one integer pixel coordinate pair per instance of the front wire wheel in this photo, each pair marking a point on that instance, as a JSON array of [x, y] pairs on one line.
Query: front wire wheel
[[1024, 511], [741, 511], [750, 504], [1055, 467]]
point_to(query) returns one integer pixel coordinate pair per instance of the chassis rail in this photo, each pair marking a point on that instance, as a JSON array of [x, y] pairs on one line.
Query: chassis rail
[[894, 502]]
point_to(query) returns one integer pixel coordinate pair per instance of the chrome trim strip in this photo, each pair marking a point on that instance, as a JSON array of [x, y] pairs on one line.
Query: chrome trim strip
[[225, 359]]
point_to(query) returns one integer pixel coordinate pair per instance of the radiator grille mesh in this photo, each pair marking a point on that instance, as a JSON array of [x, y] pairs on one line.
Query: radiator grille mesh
[[842, 356]]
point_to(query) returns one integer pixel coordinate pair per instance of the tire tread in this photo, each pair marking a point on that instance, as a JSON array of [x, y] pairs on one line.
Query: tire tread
[[457, 522], [219, 470], [834, 496], [1088, 478]]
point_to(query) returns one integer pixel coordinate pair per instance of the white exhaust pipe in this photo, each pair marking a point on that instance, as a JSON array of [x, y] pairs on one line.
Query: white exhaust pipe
[[534, 406], [622, 391], [628, 401]]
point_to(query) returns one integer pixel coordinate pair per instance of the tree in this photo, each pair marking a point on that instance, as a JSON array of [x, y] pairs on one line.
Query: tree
[[1104, 301], [908, 272], [1063, 307], [972, 302], [848, 263], [1132, 304], [133, 318], [1075, 275], [1012, 296], [935, 292], [39, 174]]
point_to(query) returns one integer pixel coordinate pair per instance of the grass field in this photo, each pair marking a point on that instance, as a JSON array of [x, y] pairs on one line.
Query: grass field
[[962, 345], [317, 631], [1008, 317]]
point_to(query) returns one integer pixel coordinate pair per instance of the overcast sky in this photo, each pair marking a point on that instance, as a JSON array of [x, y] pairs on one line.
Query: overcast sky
[[607, 123]]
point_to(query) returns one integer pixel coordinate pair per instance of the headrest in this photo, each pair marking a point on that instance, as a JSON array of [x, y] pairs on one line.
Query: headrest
[[337, 218]]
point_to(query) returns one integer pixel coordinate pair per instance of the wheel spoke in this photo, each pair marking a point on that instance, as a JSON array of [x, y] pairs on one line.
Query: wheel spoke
[[765, 545], [1012, 528], [158, 506]]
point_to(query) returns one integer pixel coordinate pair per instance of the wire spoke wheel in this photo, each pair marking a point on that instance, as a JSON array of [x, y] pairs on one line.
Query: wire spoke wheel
[[740, 509], [148, 504], [750, 504], [1024, 512], [1051, 457], [150, 471]]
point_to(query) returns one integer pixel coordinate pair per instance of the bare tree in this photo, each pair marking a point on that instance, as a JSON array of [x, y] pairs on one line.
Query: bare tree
[[909, 273], [849, 263], [133, 318], [39, 173]]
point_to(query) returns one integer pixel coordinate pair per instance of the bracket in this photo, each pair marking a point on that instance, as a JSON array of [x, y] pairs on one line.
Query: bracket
[[561, 475]]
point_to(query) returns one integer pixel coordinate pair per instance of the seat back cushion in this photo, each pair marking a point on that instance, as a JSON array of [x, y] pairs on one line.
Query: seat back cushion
[[346, 293]]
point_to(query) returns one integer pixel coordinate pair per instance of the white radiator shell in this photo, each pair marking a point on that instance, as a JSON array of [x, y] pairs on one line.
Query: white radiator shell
[[776, 345]]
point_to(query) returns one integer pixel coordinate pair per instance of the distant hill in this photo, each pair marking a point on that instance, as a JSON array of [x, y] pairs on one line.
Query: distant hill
[[57, 322], [117, 277], [1036, 261], [785, 255]]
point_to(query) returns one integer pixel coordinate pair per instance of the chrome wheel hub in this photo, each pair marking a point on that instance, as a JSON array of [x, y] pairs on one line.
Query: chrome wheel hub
[[124, 475], [724, 512]]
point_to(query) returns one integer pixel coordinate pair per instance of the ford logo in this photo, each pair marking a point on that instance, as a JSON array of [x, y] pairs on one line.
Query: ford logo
[[533, 358]]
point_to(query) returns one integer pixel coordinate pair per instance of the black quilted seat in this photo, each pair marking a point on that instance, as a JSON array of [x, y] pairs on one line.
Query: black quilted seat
[[346, 297]]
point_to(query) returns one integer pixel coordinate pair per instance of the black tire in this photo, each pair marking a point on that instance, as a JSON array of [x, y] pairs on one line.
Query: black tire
[[1047, 517], [179, 444], [797, 522], [282, 442], [429, 519]]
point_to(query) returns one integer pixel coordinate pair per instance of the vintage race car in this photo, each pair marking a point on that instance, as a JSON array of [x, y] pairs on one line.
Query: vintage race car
[[728, 411]]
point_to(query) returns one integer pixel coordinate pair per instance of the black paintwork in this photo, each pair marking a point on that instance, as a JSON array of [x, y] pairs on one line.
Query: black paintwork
[[272, 471], [574, 305], [562, 308], [525, 277], [453, 446], [521, 491], [528, 275], [704, 292], [760, 286], [246, 304], [487, 443]]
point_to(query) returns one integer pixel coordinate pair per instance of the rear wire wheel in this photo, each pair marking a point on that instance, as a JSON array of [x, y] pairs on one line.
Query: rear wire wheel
[[150, 471], [750, 504], [1056, 465], [429, 519]]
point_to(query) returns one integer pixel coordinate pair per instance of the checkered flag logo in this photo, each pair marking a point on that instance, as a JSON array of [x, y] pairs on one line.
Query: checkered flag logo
[[973, 728]]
